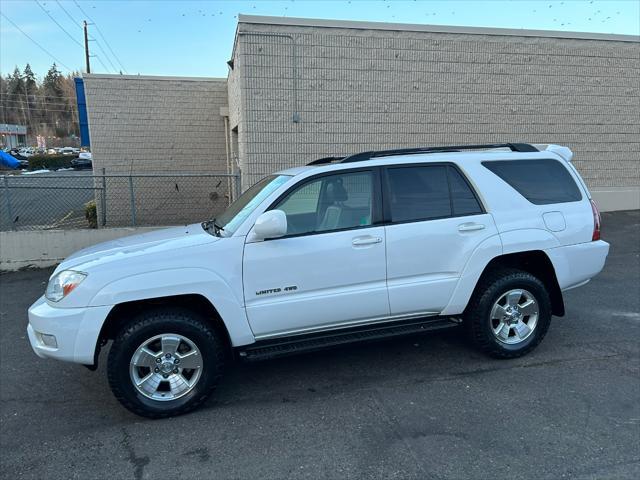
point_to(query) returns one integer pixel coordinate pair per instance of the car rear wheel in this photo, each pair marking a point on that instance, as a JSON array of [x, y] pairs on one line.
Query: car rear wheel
[[509, 313], [165, 362]]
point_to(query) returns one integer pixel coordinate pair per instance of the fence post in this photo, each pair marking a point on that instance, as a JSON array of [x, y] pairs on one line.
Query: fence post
[[103, 200], [8, 196], [133, 201], [238, 185]]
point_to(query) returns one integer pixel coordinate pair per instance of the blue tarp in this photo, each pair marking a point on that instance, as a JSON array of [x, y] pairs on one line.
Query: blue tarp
[[7, 160]]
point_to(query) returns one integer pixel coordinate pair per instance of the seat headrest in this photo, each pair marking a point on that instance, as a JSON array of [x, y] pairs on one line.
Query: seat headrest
[[336, 192]]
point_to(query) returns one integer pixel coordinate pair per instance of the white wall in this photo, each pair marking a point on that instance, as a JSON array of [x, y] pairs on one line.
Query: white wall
[[610, 199]]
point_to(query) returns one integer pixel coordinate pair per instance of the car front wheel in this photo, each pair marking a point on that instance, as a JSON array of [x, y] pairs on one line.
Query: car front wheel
[[165, 362]]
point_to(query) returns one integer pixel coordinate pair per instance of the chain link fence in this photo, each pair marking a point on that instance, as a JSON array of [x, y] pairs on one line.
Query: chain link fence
[[70, 200]]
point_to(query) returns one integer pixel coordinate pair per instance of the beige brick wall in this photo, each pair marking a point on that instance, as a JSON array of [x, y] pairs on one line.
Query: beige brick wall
[[361, 89], [144, 125]]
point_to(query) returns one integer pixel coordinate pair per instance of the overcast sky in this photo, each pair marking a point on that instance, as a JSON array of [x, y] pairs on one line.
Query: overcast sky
[[194, 38]]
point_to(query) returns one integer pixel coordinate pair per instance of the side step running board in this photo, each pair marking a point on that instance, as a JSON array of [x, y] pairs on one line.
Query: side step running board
[[267, 349]]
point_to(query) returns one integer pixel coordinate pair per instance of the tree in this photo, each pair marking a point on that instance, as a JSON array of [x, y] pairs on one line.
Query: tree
[[51, 83], [4, 103], [47, 108], [30, 83], [16, 97]]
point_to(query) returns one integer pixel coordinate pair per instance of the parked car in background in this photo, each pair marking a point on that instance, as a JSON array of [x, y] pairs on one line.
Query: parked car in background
[[25, 152], [83, 161], [378, 244], [69, 151]]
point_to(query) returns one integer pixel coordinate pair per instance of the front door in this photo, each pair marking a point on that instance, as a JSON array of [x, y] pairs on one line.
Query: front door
[[330, 269]]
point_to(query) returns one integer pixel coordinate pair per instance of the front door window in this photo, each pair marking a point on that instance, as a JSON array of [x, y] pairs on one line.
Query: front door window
[[330, 203]]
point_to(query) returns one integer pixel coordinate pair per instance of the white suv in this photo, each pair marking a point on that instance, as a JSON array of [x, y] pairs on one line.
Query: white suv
[[369, 246]]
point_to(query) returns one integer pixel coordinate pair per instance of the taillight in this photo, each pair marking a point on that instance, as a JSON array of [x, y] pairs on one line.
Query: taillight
[[596, 222]]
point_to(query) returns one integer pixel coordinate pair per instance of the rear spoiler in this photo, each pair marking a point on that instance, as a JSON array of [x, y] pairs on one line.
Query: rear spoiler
[[564, 152]]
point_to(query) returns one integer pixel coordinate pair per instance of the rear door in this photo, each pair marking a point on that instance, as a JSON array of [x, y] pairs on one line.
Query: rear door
[[434, 222]]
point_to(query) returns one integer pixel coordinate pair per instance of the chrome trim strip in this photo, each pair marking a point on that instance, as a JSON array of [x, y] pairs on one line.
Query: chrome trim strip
[[343, 325]]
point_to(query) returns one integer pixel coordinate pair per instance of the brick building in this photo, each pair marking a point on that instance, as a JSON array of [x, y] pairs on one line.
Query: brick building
[[300, 89]]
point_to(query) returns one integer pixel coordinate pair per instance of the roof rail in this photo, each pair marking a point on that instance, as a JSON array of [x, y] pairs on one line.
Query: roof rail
[[324, 160], [361, 157]]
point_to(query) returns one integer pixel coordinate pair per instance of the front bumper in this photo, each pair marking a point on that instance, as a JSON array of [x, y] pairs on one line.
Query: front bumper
[[76, 331]]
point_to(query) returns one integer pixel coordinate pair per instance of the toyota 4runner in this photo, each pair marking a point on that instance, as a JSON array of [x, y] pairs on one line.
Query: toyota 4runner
[[368, 246]]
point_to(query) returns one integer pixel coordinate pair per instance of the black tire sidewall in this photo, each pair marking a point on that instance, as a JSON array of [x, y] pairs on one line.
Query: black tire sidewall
[[146, 327], [480, 317]]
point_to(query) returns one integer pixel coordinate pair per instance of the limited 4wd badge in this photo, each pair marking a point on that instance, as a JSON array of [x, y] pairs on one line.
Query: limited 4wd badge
[[270, 291]]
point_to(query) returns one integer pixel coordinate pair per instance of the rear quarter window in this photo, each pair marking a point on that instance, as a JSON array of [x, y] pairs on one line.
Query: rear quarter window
[[541, 181]]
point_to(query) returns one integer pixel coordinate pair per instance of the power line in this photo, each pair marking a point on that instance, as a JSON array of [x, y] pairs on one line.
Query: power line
[[115, 69], [101, 63], [36, 101], [69, 15], [36, 43], [60, 26], [101, 35]]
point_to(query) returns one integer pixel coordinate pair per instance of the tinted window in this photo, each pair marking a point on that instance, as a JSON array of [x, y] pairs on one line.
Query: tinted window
[[539, 181], [332, 202], [418, 193], [463, 199]]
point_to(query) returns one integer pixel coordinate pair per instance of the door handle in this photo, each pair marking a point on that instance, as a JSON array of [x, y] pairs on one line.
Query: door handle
[[368, 240], [470, 227]]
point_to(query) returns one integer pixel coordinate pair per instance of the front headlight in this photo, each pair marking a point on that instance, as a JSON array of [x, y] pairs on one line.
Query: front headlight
[[63, 284]]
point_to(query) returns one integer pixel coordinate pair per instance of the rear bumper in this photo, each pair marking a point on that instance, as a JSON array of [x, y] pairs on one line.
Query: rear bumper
[[577, 264], [68, 334]]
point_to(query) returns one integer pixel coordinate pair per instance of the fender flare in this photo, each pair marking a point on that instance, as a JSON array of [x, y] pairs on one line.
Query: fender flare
[[513, 241], [182, 281]]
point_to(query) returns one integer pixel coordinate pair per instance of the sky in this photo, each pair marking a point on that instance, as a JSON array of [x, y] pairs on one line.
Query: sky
[[195, 38]]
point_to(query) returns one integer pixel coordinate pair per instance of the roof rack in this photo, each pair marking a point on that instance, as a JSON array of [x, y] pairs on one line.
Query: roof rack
[[324, 160], [361, 157]]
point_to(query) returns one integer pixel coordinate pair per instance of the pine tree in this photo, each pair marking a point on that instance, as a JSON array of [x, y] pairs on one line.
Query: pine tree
[[4, 103], [51, 83], [16, 97], [47, 108], [30, 83]]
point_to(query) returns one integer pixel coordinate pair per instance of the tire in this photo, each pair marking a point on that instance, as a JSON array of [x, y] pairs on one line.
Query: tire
[[487, 323], [170, 388]]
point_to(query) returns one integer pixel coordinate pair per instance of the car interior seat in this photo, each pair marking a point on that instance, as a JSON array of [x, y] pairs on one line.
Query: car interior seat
[[336, 195]]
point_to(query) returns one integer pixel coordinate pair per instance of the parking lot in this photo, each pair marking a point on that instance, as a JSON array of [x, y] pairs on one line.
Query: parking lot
[[425, 407], [46, 200]]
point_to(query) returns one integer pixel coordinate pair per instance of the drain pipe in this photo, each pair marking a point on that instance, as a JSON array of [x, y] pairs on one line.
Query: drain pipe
[[232, 194], [294, 56]]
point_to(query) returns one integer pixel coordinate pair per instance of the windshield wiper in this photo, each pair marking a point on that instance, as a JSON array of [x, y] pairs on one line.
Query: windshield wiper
[[216, 228]]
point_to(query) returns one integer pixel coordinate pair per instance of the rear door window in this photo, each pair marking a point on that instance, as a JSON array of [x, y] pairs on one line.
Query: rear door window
[[418, 193], [541, 181]]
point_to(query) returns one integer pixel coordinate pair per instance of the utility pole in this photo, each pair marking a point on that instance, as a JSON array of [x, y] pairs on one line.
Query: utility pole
[[86, 47]]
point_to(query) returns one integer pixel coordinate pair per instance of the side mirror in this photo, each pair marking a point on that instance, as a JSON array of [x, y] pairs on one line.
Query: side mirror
[[271, 224]]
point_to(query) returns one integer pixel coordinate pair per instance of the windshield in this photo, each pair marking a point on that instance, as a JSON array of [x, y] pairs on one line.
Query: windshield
[[238, 211]]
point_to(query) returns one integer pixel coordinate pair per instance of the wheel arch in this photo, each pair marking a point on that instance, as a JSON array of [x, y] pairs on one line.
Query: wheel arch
[[535, 262], [196, 303]]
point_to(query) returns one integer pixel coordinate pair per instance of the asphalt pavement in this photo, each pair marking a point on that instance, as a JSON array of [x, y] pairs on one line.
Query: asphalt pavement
[[46, 200], [426, 407]]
